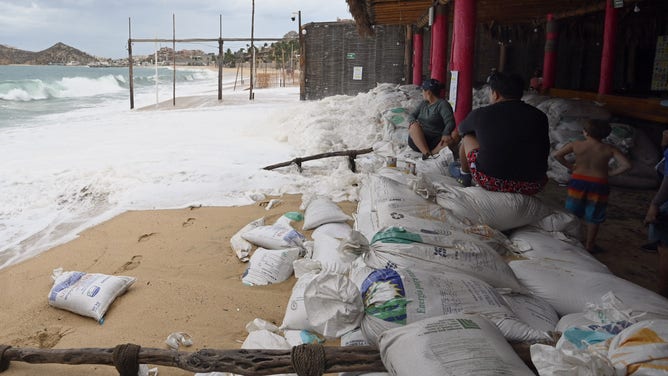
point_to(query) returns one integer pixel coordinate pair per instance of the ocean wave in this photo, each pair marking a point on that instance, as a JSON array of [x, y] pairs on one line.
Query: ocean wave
[[67, 87]]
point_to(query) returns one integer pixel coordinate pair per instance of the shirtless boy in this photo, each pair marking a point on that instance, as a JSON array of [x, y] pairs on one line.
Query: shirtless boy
[[588, 187]]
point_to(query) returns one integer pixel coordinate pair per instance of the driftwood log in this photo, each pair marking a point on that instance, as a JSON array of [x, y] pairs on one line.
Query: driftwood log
[[351, 154], [304, 360]]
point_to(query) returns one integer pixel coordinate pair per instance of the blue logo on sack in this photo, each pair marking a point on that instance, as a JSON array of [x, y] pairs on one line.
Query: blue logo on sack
[[93, 291]]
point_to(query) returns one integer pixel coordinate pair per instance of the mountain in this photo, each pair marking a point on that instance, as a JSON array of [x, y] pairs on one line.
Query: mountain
[[59, 53]]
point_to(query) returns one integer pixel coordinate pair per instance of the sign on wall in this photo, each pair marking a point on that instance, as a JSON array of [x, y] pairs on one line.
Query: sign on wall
[[357, 73]]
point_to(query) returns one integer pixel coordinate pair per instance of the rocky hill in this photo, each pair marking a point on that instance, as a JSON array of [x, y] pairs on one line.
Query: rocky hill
[[59, 53]]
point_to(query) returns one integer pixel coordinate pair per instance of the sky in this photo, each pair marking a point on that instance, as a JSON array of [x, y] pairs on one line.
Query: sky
[[100, 27]]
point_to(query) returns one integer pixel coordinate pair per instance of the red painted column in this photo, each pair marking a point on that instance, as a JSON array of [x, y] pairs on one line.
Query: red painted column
[[439, 44], [463, 45], [418, 50], [608, 54], [550, 57]]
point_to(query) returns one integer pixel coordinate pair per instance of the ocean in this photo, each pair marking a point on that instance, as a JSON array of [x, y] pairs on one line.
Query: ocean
[[74, 154]]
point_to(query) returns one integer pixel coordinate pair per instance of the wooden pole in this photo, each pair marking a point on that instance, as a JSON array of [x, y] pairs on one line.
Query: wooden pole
[[439, 36], [351, 154], [220, 61], [132, 86], [608, 53], [250, 94], [244, 362], [302, 60], [550, 57], [462, 55], [408, 54], [418, 48], [174, 59]]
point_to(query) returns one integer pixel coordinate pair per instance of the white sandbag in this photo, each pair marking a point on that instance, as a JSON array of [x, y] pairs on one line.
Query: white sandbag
[[406, 296], [323, 210], [550, 361], [295, 313], [641, 349], [455, 251], [335, 230], [241, 246], [274, 237], [560, 221], [569, 290], [450, 345], [286, 219], [86, 294], [532, 310], [269, 266], [424, 216], [332, 259], [264, 339], [499, 210], [306, 265], [536, 245], [333, 305]]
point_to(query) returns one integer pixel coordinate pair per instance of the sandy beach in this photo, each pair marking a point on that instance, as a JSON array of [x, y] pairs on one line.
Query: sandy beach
[[188, 280]]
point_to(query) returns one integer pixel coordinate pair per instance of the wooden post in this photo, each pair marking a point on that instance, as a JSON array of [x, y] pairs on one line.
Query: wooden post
[[550, 58], [302, 60], [220, 61], [408, 54], [608, 53], [418, 50], [250, 94], [439, 36], [132, 85], [174, 59], [462, 55]]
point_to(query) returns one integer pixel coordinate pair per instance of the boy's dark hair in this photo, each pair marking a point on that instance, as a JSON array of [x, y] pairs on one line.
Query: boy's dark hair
[[509, 86], [598, 129]]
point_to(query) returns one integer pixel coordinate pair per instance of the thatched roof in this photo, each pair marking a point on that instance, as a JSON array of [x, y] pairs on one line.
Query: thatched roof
[[368, 13]]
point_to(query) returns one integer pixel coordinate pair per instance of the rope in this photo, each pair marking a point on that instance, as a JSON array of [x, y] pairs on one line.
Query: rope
[[4, 363], [126, 359], [308, 360]]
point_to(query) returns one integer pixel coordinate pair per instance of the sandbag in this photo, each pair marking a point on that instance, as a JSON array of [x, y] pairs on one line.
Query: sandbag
[[404, 296], [539, 246], [534, 311], [274, 237], [335, 230], [241, 246], [499, 210], [470, 254], [450, 345], [326, 251], [323, 210], [269, 266], [86, 294], [569, 290]]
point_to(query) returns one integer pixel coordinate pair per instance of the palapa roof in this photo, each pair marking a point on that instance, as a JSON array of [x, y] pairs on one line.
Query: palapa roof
[[505, 12]]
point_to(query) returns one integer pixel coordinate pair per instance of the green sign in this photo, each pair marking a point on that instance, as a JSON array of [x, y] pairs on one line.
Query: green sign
[[350, 55]]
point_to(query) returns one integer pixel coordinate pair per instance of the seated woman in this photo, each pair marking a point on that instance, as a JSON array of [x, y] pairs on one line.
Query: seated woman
[[432, 124]]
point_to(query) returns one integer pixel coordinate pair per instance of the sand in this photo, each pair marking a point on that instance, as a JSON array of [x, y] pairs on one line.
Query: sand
[[188, 279]]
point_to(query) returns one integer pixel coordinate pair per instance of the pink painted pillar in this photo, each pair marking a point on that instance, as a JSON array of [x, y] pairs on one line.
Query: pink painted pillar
[[418, 50], [550, 57], [439, 44], [608, 54], [463, 44]]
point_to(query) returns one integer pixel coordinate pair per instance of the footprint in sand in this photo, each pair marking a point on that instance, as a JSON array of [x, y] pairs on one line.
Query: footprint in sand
[[189, 222], [132, 264], [44, 339], [145, 237]]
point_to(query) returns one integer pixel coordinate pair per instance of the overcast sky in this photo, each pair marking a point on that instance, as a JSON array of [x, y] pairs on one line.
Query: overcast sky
[[100, 27]]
